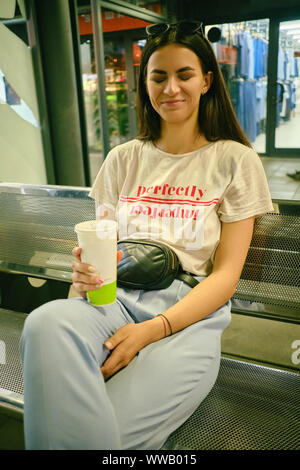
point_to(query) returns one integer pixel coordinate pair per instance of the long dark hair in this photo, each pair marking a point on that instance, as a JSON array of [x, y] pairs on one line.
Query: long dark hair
[[217, 119]]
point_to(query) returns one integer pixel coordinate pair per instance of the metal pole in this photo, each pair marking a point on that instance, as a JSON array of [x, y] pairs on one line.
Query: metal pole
[[82, 115], [272, 87], [131, 87], [100, 69], [34, 43], [57, 53]]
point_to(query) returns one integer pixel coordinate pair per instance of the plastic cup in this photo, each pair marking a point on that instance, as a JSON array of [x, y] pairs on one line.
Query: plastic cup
[[98, 241]]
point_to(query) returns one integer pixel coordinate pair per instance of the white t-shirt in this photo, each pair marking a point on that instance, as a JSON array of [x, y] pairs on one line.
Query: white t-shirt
[[181, 200]]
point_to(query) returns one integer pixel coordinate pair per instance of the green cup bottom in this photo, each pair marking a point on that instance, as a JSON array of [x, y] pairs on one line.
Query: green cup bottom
[[103, 296]]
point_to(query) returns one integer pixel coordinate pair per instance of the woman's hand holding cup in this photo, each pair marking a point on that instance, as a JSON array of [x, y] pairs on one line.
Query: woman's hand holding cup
[[83, 276]]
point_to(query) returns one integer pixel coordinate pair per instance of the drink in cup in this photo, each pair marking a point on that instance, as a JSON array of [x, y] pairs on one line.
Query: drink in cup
[[98, 241]]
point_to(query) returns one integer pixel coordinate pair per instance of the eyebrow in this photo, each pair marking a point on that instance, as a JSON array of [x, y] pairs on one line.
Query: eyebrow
[[183, 69]]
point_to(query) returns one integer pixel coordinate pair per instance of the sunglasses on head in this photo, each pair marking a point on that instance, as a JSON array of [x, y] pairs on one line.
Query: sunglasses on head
[[184, 27]]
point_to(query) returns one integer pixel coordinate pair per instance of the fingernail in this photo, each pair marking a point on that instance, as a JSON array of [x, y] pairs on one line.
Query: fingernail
[[100, 281], [91, 269], [108, 345]]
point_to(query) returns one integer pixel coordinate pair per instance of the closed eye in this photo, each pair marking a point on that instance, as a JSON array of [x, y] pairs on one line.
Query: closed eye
[[185, 77], [158, 79]]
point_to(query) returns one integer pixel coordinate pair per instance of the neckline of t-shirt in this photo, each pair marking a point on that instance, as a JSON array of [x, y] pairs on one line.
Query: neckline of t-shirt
[[182, 154]]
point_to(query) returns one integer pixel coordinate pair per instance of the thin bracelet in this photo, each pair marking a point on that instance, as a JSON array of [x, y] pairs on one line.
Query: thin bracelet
[[165, 328], [171, 332]]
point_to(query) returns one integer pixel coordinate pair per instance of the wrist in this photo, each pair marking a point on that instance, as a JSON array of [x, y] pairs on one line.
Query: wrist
[[157, 329]]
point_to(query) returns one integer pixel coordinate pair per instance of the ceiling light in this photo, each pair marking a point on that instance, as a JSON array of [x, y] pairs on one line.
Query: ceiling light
[[293, 31], [290, 26]]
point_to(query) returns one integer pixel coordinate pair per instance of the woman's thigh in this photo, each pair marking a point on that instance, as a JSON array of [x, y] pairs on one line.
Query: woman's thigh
[[77, 313], [163, 385], [65, 400]]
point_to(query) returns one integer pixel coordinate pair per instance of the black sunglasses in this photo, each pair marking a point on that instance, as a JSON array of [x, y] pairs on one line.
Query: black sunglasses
[[184, 27]]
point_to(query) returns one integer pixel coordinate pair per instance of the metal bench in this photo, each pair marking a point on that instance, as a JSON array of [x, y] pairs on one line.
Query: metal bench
[[250, 407]]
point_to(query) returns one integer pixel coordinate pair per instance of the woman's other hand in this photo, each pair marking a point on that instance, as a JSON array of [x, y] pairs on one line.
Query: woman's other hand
[[128, 341]]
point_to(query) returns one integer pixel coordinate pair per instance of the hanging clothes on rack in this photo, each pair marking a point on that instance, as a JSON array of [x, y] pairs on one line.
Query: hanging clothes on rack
[[250, 109], [280, 65], [261, 106], [247, 90], [236, 92], [242, 54]]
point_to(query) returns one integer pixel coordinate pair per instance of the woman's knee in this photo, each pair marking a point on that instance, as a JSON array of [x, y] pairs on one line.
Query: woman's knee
[[46, 318], [71, 317]]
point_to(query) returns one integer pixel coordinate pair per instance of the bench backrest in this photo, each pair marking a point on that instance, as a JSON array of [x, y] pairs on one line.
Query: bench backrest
[[37, 228], [37, 236]]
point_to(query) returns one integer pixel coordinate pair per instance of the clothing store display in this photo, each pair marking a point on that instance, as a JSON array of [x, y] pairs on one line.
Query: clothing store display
[[287, 71], [246, 76]]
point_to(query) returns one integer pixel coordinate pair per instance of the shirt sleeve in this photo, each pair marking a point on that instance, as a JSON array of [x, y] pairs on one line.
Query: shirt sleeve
[[247, 194], [105, 187]]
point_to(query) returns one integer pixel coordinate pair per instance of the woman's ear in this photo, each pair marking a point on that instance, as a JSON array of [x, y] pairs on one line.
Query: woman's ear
[[208, 79]]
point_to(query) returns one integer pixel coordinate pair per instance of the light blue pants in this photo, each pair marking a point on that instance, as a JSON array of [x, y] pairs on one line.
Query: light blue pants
[[68, 405]]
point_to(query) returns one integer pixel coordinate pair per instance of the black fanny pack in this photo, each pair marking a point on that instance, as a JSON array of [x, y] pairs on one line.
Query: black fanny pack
[[149, 265]]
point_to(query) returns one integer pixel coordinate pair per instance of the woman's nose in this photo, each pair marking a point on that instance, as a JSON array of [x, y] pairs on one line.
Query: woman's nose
[[172, 86]]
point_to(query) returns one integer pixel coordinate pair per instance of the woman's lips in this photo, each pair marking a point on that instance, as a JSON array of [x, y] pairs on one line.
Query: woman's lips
[[172, 102]]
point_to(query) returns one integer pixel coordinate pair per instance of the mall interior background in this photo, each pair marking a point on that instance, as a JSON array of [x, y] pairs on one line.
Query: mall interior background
[[73, 98]]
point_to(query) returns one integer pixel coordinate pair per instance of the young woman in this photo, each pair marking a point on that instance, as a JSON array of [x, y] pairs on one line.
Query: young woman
[[122, 376]]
